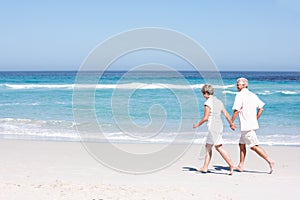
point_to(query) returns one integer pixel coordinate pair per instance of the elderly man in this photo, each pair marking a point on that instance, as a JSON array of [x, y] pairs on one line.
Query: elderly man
[[249, 108]]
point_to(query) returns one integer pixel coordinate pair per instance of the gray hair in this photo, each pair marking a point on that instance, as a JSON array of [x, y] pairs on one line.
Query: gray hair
[[207, 89], [243, 81]]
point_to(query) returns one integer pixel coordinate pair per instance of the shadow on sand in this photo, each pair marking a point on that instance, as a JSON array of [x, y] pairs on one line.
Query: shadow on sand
[[219, 169]]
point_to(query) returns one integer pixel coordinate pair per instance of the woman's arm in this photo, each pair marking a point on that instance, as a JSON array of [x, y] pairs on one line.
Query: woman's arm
[[204, 118], [227, 116]]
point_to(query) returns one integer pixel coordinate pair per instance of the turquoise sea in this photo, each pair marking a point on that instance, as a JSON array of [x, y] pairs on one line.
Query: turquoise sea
[[40, 106]]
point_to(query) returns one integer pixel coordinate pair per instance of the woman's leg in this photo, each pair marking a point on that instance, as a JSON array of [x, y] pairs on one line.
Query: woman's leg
[[207, 159], [226, 157]]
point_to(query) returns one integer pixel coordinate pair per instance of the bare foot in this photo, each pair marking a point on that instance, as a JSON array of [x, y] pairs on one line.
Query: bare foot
[[231, 170], [239, 168], [202, 170], [272, 163]]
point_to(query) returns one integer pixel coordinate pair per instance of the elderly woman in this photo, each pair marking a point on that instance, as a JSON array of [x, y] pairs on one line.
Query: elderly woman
[[213, 108]]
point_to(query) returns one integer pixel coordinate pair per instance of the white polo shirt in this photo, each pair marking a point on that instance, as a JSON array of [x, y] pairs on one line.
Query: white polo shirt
[[246, 103]]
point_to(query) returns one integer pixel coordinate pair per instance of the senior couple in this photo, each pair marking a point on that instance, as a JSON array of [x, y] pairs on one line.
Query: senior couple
[[249, 108]]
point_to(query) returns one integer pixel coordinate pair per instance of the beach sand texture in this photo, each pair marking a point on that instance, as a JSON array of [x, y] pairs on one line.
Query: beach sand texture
[[65, 170]]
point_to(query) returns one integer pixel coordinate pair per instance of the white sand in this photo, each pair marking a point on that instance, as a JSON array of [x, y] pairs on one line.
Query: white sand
[[64, 170]]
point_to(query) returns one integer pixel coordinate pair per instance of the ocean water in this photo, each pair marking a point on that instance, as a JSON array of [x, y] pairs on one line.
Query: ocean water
[[155, 107]]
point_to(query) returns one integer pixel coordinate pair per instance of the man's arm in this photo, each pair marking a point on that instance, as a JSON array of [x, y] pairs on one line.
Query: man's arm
[[234, 115], [259, 112]]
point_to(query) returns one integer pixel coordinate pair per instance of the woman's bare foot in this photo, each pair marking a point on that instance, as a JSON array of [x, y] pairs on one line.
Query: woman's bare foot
[[231, 170]]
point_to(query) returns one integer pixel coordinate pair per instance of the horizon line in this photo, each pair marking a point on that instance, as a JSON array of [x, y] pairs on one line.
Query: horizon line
[[126, 70]]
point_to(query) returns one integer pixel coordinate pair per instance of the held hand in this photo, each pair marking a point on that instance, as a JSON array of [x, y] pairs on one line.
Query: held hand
[[233, 126], [195, 125]]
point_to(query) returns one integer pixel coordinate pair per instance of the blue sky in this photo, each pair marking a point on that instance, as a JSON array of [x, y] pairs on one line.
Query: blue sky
[[238, 35]]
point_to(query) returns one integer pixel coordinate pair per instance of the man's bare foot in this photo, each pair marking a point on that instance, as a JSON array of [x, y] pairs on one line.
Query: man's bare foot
[[239, 168], [272, 163], [202, 170]]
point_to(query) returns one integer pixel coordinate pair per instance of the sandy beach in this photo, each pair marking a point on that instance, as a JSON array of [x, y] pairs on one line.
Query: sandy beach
[[65, 170]]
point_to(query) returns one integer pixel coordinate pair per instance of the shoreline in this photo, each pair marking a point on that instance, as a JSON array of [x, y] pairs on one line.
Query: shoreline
[[263, 144], [65, 170]]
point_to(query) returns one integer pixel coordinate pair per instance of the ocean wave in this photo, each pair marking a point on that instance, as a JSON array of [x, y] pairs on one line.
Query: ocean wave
[[134, 85], [228, 92], [30, 123], [37, 129], [287, 92], [267, 92], [20, 104], [283, 92], [37, 86], [33, 103]]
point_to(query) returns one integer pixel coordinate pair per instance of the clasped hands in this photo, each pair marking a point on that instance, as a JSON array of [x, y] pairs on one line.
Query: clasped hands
[[232, 126]]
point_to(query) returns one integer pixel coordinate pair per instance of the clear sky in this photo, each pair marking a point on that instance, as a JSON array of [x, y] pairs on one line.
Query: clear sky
[[238, 35]]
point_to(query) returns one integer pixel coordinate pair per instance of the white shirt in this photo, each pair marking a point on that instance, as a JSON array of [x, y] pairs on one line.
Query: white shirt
[[214, 120], [246, 103]]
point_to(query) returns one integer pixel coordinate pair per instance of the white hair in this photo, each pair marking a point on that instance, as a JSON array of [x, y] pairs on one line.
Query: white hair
[[243, 81]]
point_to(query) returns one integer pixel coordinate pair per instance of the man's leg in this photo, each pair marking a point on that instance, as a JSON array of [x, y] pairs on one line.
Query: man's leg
[[260, 151]]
